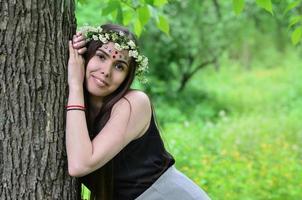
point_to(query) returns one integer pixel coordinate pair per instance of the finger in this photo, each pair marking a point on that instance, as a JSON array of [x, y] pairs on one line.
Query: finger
[[75, 53], [71, 51], [78, 34], [74, 38], [82, 50], [79, 38], [79, 45]]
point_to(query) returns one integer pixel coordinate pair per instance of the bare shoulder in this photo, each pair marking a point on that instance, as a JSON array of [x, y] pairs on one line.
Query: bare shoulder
[[139, 97], [137, 106], [136, 99]]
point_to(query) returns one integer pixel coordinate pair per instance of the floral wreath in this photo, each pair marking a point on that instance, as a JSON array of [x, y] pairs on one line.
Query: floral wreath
[[121, 42]]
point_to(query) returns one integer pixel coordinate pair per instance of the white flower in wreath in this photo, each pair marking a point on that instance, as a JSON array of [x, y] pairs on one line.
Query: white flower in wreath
[[103, 39], [99, 29], [121, 33], [93, 29], [131, 44], [117, 46], [145, 62], [94, 37], [133, 53], [139, 58], [107, 36], [114, 36], [123, 46], [84, 29]]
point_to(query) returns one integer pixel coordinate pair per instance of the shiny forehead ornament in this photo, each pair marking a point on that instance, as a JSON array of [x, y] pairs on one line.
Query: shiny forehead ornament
[[121, 42], [114, 54]]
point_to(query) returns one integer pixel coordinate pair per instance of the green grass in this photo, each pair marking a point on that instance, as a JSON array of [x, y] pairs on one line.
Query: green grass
[[238, 133]]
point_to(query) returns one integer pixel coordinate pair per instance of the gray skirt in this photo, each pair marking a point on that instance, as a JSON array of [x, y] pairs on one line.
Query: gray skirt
[[173, 185]]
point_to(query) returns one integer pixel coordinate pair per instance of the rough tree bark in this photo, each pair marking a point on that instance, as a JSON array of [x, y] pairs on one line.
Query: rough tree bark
[[33, 58]]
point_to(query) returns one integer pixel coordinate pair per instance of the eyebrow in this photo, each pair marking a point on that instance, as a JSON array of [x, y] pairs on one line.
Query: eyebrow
[[123, 61]]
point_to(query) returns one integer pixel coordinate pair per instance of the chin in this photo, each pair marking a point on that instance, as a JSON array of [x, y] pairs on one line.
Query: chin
[[97, 93]]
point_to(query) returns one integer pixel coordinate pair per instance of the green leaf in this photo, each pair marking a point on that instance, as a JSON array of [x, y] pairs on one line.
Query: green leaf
[[128, 15], [296, 35], [151, 2], [160, 3], [119, 16], [292, 6], [266, 4], [238, 6], [294, 20], [138, 27], [112, 6], [163, 24], [144, 15]]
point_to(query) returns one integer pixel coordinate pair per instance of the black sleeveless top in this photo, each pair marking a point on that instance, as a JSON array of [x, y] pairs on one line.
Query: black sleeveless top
[[140, 164]]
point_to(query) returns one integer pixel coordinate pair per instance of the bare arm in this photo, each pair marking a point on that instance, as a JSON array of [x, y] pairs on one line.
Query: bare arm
[[76, 127], [78, 143], [124, 125]]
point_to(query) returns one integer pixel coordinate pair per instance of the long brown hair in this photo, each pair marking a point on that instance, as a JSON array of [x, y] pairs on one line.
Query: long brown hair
[[100, 182]]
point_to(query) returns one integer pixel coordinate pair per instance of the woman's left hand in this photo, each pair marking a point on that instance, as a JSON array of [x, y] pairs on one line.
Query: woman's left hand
[[79, 43], [76, 68]]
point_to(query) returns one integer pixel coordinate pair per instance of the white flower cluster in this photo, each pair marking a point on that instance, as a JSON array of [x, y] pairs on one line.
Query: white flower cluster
[[121, 42]]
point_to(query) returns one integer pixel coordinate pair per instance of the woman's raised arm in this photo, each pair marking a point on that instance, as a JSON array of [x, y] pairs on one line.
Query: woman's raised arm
[[129, 119]]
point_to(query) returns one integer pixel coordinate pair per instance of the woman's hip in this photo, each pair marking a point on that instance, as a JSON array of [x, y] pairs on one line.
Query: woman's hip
[[173, 185]]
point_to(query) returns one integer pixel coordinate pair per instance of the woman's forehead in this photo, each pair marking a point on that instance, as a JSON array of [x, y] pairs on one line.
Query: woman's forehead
[[110, 49]]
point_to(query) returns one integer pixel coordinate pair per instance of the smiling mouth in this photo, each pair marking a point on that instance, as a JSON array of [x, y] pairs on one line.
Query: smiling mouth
[[99, 81]]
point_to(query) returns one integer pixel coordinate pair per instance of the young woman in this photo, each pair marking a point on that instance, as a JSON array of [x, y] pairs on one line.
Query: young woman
[[112, 140]]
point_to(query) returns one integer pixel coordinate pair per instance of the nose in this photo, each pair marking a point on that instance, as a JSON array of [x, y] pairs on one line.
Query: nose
[[105, 74], [106, 69]]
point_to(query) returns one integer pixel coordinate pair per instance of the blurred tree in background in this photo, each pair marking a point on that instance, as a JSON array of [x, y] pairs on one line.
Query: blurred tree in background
[[200, 32], [203, 31]]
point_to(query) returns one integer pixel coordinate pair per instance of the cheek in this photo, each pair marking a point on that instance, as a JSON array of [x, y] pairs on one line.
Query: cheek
[[125, 76], [93, 63], [91, 67], [118, 78], [88, 67]]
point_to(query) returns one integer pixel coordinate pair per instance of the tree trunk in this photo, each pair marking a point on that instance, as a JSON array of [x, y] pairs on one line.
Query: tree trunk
[[183, 82], [186, 76], [217, 8], [33, 58]]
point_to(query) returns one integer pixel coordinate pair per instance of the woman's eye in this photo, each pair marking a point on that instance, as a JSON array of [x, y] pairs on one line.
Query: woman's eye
[[101, 56], [120, 67]]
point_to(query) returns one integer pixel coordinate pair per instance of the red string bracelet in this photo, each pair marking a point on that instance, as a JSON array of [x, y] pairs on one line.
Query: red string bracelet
[[75, 106]]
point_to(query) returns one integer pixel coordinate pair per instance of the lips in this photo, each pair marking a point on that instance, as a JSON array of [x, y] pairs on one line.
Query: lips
[[99, 81]]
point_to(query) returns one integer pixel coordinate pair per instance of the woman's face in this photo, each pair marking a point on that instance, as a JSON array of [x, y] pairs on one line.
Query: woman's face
[[106, 70]]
